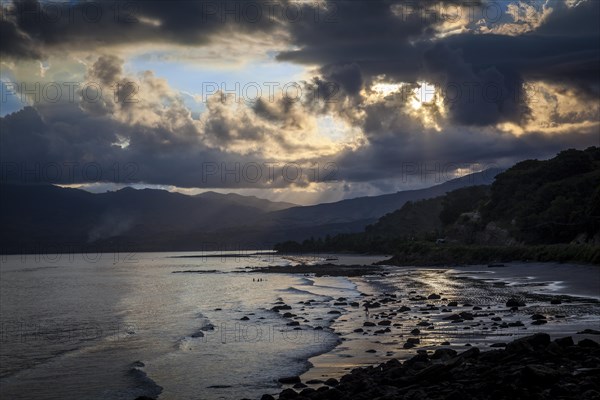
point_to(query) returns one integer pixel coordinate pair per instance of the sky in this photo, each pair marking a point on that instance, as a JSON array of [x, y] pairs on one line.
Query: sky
[[299, 101]]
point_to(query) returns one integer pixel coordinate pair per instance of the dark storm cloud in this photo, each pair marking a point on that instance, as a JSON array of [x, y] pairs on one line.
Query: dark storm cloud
[[40, 27], [564, 49], [63, 144]]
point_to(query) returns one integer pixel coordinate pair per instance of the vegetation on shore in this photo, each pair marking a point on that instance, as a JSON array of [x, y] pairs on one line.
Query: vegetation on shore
[[535, 211]]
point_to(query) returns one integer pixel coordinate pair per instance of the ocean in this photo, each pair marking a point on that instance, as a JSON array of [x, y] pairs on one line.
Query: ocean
[[202, 326], [118, 326]]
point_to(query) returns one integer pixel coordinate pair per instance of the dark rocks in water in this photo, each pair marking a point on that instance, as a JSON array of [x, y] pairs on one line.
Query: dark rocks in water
[[452, 304], [497, 319], [498, 345], [244, 318], [589, 332], [434, 296], [148, 398], [371, 351], [408, 345], [281, 307], [515, 303], [368, 323], [466, 316], [267, 397], [539, 322], [354, 304], [290, 379], [358, 330], [385, 322], [424, 323], [198, 334], [340, 303], [415, 332], [532, 367], [452, 317], [299, 385], [536, 317], [556, 301], [293, 323], [334, 312], [288, 315], [403, 309], [318, 328]]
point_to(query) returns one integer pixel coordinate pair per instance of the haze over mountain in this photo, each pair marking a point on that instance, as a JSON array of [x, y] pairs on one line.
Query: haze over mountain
[[42, 217]]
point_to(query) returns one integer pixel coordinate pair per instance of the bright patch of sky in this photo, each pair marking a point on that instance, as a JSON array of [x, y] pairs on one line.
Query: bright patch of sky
[[196, 80]]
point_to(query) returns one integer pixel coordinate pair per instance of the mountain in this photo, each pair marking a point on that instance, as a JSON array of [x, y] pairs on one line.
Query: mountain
[[46, 216], [533, 203], [42, 218]]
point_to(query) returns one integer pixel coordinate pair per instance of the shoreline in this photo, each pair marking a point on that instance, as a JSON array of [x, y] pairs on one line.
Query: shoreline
[[530, 367], [485, 326]]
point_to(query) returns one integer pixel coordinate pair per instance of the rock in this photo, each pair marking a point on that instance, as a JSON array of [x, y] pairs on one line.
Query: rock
[[299, 385], [539, 374], [293, 323], [415, 332], [318, 328], [358, 330], [466, 316], [282, 307], [408, 345], [588, 343], [443, 354], [413, 340], [452, 304], [424, 323], [512, 302], [290, 379], [267, 397], [497, 319], [434, 296], [565, 342], [403, 309], [453, 317], [589, 332], [368, 323], [539, 322], [537, 317], [354, 304], [385, 323], [334, 312], [371, 351], [288, 315], [556, 301], [498, 345], [288, 394], [307, 392], [244, 318], [331, 382]]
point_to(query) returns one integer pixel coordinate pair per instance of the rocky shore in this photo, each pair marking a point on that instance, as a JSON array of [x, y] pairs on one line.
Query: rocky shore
[[529, 368]]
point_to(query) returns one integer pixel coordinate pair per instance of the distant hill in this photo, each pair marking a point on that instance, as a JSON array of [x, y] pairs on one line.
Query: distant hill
[[50, 218], [556, 201]]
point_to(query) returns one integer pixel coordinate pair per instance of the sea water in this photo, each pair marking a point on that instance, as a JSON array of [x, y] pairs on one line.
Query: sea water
[[118, 326]]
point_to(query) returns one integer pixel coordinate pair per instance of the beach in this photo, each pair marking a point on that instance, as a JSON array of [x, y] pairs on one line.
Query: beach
[[423, 309], [212, 326]]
